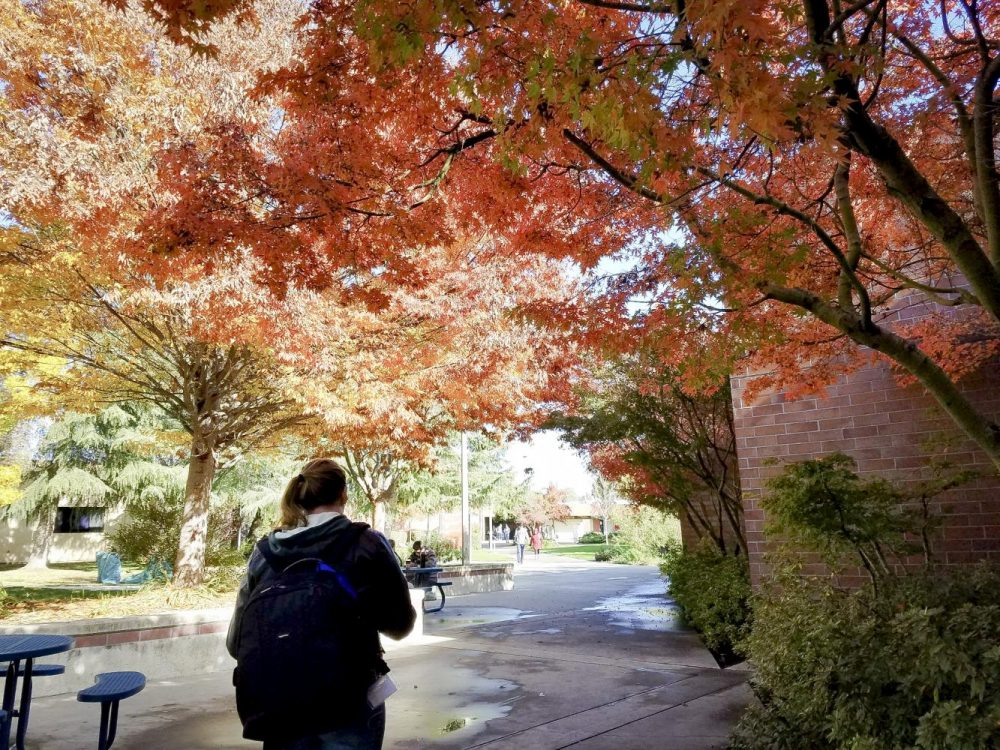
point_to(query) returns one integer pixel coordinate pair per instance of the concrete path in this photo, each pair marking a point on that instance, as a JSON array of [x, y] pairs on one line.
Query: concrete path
[[581, 655]]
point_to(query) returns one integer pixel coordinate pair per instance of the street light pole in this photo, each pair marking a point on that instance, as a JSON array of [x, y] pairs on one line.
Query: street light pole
[[466, 519]]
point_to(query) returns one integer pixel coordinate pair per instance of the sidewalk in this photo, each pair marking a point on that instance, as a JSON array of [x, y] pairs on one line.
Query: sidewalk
[[616, 675]]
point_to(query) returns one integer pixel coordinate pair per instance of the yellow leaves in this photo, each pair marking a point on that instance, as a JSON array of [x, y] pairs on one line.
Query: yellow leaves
[[10, 484]]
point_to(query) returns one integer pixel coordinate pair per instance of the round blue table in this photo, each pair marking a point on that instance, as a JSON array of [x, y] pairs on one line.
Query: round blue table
[[16, 649]]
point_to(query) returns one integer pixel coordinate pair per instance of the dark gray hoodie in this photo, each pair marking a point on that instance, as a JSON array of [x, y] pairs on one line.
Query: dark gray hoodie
[[370, 565]]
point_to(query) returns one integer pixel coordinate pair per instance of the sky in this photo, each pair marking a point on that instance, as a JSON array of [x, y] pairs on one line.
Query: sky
[[552, 463]]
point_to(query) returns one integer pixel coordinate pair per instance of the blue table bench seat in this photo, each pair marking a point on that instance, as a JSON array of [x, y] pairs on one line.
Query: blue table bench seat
[[37, 670], [18, 652], [428, 587], [110, 688], [426, 579]]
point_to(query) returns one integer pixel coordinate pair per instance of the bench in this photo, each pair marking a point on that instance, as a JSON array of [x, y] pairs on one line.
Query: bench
[[428, 588], [37, 670], [21, 714], [415, 577], [108, 690]]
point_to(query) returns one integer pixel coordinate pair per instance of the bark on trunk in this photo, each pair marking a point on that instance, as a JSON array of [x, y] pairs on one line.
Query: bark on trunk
[[189, 565], [41, 540], [378, 514], [381, 503]]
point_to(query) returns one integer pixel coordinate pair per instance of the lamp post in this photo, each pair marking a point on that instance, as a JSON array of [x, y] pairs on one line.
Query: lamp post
[[466, 515]]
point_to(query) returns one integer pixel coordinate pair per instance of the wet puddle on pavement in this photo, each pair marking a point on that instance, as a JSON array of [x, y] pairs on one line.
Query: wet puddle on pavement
[[644, 607], [463, 701], [458, 617]]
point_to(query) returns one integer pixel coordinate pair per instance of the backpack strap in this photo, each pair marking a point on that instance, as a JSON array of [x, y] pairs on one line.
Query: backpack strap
[[344, 543]]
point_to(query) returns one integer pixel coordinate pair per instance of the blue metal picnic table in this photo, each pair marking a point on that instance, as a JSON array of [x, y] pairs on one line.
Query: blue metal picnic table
[[16, 649], [422, 578]]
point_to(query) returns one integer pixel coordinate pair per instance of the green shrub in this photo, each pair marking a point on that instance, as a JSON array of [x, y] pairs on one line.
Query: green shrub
[[623, 554], [644, 534], [823, 505], [445, 549], [713, 592], [626, 554], [592, 537], [151, 528], [915, 666]]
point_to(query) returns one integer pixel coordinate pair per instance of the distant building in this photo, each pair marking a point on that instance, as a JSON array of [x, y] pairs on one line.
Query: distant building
[[581, 520], [78, 534]]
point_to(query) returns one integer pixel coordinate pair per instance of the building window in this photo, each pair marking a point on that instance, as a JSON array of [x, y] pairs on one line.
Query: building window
[[79, 520]]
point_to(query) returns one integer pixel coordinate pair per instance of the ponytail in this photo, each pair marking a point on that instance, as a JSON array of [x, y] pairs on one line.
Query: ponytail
[[320, 482]]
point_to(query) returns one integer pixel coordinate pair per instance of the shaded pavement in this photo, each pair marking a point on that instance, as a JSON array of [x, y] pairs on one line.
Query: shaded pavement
[[581, 655]]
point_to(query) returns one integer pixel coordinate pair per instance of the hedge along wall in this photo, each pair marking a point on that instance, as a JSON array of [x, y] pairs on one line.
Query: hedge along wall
[[890, 431]]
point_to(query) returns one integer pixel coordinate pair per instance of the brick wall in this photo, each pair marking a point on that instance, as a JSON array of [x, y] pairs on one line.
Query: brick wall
[[691, 535], [890, 431]]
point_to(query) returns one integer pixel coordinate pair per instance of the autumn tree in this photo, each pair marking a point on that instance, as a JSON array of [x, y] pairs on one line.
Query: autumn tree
[[279, 228], [823, 165], [91, 96], [672, 449], [546, 507], [797, 175], [469, 357], [226, 398]]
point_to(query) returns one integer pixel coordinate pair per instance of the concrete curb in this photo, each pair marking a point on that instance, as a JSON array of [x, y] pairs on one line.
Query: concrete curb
[[161, 646]]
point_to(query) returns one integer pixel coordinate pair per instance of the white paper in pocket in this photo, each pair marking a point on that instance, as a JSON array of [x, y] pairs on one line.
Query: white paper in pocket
[[381, 689]]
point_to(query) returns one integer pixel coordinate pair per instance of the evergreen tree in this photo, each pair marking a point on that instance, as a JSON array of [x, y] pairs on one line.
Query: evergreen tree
[[492, 483], [102, 459]]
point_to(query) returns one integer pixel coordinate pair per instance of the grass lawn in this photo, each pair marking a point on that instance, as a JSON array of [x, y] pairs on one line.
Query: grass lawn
[[56, 575], [578, 551], [502, 554], [55, 593]]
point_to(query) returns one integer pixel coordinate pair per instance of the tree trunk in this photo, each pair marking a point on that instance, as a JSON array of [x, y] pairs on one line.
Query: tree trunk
[[380, 505], [189, 564], [378, 514], [41, 540]]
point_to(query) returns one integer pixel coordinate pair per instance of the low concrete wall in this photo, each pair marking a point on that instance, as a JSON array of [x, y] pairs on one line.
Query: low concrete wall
[[160, 646], [478, 577]]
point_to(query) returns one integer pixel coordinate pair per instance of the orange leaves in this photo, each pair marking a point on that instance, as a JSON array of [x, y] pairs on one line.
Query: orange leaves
[[426, 174], [189, 21]]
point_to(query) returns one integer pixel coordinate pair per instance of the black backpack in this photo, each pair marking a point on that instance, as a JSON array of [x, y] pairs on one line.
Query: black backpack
[[305, 658]]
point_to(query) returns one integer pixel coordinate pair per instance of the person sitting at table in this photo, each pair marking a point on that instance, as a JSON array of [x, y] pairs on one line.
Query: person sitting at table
[[422, 557]]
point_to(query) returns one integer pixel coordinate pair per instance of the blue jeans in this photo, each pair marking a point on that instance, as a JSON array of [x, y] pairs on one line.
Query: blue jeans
[[365, 734], [520, 553]]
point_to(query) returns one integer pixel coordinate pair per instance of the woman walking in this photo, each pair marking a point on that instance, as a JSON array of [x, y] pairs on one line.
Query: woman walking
[[536, 540], [305, 632]]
